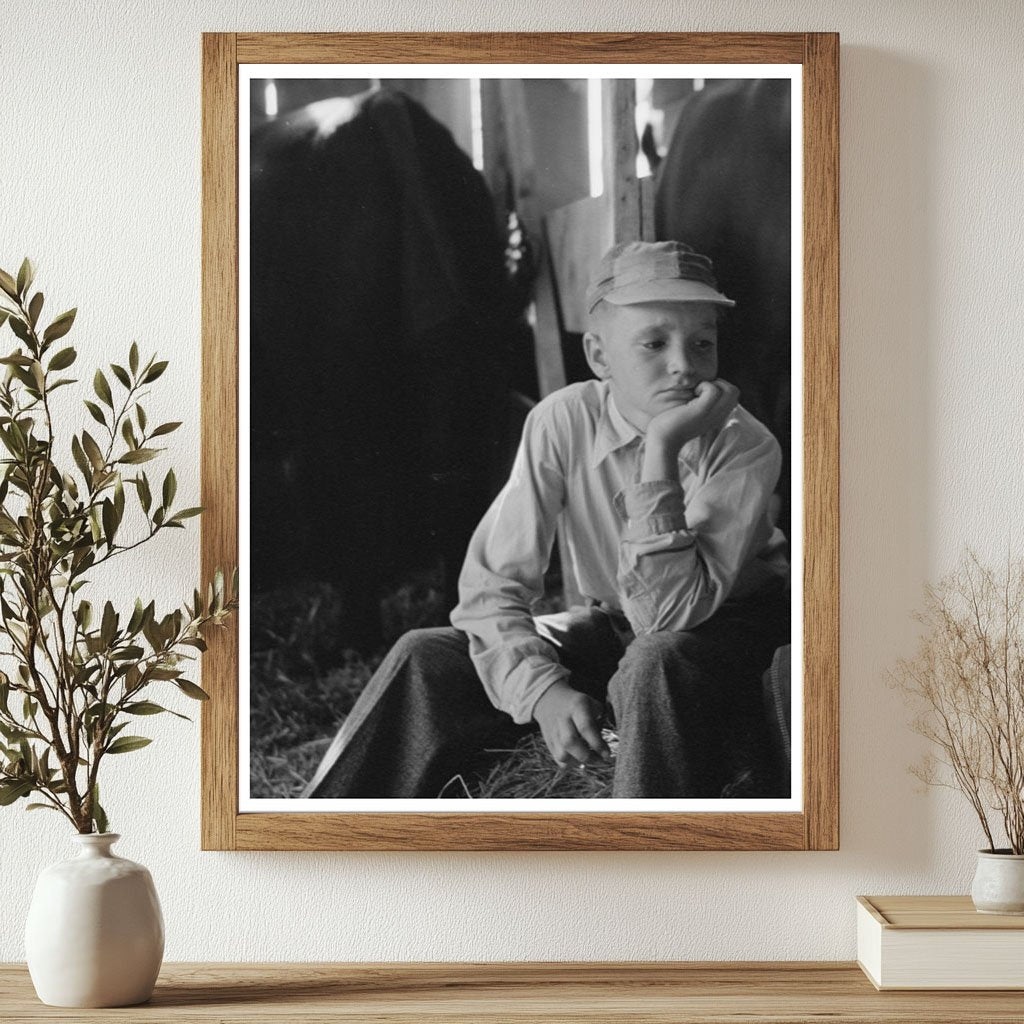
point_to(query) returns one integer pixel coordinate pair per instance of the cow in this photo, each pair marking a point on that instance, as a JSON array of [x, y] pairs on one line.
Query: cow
[[380, 329]]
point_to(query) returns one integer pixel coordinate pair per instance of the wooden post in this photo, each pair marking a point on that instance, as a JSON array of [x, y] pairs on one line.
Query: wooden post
[[509, 153], [621, 188]]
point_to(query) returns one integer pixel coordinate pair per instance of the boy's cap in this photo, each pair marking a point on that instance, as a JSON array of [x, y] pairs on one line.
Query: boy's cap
[[633, 272]]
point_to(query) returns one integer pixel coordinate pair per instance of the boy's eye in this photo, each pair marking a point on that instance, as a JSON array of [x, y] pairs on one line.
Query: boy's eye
[[705, 344], [653, 344]]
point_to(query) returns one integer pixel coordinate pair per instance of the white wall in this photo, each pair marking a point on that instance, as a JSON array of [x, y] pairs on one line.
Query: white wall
[[100, 183]]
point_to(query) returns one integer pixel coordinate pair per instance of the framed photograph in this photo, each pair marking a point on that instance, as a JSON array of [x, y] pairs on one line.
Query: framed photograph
[[520, 419]]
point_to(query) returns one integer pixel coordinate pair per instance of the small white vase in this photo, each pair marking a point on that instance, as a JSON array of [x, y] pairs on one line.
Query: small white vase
[[999, 882], [95, 933]]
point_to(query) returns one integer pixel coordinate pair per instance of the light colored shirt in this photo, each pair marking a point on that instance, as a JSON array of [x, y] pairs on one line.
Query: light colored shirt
[[666, 553]]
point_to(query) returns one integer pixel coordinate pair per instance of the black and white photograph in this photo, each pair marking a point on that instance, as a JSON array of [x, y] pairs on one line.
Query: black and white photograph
[[519, 416]]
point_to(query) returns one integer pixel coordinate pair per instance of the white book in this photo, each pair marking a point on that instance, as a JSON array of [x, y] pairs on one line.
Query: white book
[[938, 942]]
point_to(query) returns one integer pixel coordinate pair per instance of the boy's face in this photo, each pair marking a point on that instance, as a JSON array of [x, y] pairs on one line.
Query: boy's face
[[653, 354]]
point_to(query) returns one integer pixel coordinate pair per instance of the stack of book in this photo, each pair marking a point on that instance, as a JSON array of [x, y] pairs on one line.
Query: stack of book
[[938, 942]]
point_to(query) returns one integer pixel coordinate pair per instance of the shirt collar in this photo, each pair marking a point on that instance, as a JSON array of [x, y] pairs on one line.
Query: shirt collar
[[614, 431]]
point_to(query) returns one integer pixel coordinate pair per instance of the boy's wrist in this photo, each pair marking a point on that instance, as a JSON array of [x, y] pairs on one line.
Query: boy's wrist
[[661, 461], [558, 688]]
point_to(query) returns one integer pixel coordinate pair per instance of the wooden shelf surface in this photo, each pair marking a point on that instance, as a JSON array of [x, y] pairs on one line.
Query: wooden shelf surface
[[659, 993]]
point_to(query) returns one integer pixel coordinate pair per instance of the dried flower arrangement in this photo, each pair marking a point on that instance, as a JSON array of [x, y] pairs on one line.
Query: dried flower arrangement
[[967, 679]]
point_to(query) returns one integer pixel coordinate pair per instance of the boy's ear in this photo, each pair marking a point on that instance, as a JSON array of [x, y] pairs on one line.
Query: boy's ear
[[593, 349]]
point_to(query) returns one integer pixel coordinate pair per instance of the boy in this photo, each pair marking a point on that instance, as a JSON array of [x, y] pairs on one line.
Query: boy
[[663, 483]]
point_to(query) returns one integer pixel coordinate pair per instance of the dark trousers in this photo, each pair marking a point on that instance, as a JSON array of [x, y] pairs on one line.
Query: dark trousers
[[687, 707]]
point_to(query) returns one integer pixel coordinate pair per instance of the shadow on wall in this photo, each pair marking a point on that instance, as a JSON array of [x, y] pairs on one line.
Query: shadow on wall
[[888, 270]]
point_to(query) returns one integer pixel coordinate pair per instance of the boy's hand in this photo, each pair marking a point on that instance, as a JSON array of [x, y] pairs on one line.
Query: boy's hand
[[670, 430], [570, 722]]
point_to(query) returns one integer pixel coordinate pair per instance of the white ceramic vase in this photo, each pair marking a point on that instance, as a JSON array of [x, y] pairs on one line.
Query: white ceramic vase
[[999, 883], [95, 933]]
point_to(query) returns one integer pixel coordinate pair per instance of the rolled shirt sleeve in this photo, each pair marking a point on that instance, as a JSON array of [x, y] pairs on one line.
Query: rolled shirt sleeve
[[683, 552]]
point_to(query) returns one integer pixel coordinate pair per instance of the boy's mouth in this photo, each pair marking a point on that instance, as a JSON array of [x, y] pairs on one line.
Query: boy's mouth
[[684, 394]]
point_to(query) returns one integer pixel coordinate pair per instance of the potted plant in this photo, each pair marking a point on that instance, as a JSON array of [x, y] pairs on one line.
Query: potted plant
[[78, 671], [967, 680]]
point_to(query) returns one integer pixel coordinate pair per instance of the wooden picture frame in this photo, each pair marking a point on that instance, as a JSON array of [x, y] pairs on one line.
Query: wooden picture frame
[[816, 826]]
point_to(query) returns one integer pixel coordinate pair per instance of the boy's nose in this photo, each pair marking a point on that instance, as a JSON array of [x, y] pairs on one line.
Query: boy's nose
[[678, 363]]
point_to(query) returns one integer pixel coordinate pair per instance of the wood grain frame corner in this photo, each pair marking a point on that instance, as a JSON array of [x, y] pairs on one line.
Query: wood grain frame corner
[[817, 827]]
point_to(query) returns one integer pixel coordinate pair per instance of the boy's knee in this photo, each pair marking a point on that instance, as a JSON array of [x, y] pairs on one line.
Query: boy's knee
[[656, 662], [661, 648], [419, 660], [418, 645]]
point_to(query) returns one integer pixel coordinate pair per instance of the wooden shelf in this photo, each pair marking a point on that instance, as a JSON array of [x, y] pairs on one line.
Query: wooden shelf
[[658, 993]]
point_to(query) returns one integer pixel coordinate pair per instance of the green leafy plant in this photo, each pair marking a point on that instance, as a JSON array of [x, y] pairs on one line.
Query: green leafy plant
[[80, 673]]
